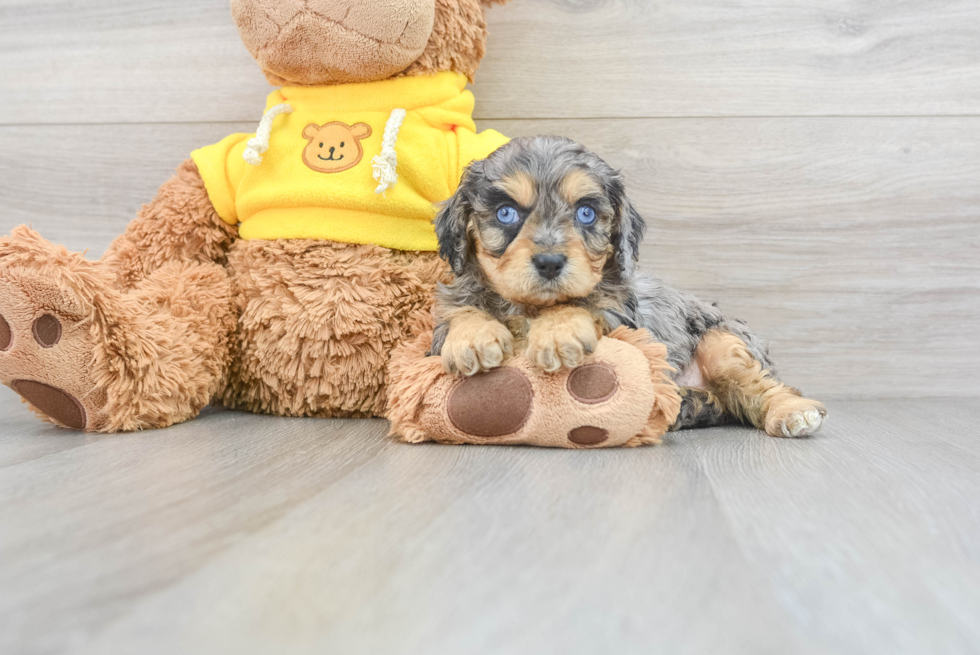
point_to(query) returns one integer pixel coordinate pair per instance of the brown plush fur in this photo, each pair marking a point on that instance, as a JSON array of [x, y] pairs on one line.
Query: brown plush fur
[[664, 412], [180, 225], [162, 354], [412, 376], [458, 40], [317, 322]]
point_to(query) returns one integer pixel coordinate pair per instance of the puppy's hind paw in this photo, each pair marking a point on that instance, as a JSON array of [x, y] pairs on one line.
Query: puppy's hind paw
[[800, 417]]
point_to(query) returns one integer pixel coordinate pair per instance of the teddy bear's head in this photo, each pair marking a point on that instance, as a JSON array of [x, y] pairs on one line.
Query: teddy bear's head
[[320, 42]]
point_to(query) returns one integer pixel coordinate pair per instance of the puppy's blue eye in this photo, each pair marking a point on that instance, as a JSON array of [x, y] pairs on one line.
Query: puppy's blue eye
[[508, 215], [585, 215]]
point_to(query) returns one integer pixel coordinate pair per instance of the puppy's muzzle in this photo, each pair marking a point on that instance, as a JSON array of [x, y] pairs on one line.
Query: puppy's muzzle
[[549, 266]]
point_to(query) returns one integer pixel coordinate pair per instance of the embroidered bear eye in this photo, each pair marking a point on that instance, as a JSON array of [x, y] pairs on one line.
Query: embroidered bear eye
[[342, 144], [321, 145], [585, 215], [508, 215]]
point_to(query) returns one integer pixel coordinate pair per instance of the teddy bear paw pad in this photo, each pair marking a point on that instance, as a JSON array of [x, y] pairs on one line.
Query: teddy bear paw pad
[[46, 350], [593, 383], [587, 435], [491, 404], [6, 338], [59, 405], [47, 331]]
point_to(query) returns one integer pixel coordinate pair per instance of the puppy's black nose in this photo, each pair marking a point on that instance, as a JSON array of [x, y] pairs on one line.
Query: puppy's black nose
[[549, 266]]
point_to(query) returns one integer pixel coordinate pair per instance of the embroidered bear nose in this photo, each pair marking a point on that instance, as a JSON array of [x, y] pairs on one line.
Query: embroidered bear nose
[[549, 266]]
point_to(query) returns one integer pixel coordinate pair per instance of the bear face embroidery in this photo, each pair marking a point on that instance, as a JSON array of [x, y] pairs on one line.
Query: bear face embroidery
[[334, 147]]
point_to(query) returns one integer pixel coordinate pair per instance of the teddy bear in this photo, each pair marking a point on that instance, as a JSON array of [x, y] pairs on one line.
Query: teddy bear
[[275, 272]]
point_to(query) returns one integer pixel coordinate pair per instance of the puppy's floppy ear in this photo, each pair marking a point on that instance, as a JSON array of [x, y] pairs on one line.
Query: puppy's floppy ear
[[630, 228], [452, 223]]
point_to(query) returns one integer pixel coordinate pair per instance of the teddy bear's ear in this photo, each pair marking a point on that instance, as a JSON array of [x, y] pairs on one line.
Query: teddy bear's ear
[[361, 131], [309, 132]]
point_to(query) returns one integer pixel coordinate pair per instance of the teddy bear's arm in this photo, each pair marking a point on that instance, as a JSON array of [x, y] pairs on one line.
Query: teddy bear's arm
[[180, 225]]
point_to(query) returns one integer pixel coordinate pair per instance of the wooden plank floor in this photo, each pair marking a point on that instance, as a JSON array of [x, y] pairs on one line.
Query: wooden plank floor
[[237, 533]]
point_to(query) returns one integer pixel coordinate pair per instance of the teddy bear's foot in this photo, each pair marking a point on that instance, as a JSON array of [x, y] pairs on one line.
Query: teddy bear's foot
[[497, 407], [46, 344], [619, 397], [87, 357]]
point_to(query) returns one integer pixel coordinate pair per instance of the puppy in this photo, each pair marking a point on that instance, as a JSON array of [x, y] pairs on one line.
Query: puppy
[[543, 242]]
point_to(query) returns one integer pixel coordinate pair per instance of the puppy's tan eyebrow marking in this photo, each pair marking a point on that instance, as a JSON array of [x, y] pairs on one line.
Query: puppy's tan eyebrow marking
[[577, 185], [521, 187], [492, 241]]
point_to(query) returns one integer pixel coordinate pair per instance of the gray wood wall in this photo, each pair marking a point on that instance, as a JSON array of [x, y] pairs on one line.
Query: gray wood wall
[[814, 167]]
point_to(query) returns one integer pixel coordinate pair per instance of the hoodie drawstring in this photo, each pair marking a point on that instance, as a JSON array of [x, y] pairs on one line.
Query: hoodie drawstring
[[260, 142], [385, 165]]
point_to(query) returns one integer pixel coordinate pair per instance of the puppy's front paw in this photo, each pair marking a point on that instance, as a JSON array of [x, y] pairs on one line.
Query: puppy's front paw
[[561, 337], [795, 417], [476, 342]]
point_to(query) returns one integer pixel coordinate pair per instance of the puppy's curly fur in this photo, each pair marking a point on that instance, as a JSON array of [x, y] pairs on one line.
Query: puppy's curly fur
[[544, 242]]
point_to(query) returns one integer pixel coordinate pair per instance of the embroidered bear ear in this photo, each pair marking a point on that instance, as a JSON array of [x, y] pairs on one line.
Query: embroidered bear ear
[[309, 132], [360, 131]]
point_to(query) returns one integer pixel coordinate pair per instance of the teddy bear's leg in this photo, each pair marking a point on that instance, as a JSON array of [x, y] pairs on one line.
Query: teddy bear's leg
[[318, 321], [137, 340], [621, 395], [89, 357], [180, 225]]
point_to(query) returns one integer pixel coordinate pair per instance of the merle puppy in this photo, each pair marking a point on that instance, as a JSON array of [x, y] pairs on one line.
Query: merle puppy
[[544, 242]]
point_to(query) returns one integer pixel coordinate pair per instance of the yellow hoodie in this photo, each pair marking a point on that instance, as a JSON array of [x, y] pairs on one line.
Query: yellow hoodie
[[319, 177]]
